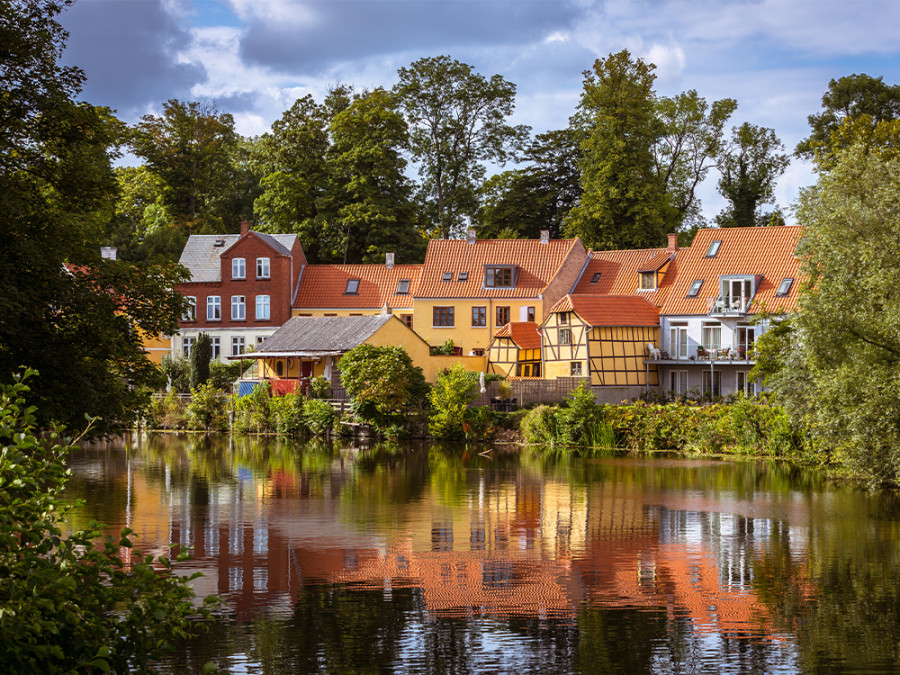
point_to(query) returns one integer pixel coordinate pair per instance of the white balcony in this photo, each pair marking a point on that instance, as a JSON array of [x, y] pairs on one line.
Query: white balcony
[[728, 305]]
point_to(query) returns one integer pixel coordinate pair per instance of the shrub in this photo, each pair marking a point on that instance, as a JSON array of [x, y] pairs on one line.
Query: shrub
[[446, 349], [207, 408], [319, 416], [450, 397], [383, 383], [168, 412], [201, 355], [319, 387], [177, 371], [540, 426], [478, 424], [579, 419], [253, 412], [288, 414], [223, 375]]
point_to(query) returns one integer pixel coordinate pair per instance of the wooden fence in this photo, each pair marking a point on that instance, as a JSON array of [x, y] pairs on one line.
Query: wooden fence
[[525, 392]]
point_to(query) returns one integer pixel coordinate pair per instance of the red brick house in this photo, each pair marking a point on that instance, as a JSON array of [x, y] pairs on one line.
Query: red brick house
[[241, 288]]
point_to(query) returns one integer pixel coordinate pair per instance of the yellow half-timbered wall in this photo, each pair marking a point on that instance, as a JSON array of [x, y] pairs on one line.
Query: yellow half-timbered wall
[[564, 337], [617, 355], [505, 358]]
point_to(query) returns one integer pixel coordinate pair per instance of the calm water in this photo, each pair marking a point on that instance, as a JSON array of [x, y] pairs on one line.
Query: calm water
[[441, 560]]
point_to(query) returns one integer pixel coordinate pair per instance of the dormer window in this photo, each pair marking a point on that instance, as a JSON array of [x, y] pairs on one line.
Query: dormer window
[[463, 276], [595, 278], [713, 248], [696, 285], [735, 295], [352, 287], [784, 288], [448, 276], [648, 281], [498, 277], [403, 287]]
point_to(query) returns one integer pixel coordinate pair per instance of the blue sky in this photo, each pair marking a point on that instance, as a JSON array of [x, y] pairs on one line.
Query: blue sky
[[253, 58]]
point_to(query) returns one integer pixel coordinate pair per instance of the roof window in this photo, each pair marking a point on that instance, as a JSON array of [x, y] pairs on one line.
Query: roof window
[[352, 287], [448, 276], [403, 287], [785, 287], [695, 288], [714, 248], [595, 278], [463, 276], [498, 277]]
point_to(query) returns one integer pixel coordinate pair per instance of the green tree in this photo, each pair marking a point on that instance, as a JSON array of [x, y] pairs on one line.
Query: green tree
[[457, 119], [68, 603], [383, 383], [201, 355], [750, 166], [623, 204], [450, 397]]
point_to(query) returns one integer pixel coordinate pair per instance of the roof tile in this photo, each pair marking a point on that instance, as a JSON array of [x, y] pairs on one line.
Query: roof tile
[[610, 310], [524, 333], [324, 286]]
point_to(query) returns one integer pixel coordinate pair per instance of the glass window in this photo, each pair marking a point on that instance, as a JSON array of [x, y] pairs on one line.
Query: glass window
[[678, 381], [713, 248], [678, 343], [237, 346], [190, 314], [187, 346], [479, 316], [498, 277], [784, 288], [260, 339], [352, 287], [213, 308], [648, 281], [262, 308], [575, 368], [216, 344], [712, 383], [238, 308], [238, 268], [442, 316], [529, 313], [502, 316], [463, 276], [262, 268], [448, 276], [744, 385], [564, 318], [407, 319], [595, 278], [712, 337], [565, 336], [403, 287], [696, 285]]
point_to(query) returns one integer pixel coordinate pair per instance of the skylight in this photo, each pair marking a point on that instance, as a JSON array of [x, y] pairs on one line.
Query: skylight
[[785, 287], [352, 286], [403, 287], [714, 248], [448, 276], [595, 278], [695, 288], [463, 276]]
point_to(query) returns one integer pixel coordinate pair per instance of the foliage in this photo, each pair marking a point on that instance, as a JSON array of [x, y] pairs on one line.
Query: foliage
[[445, 349], [750, 166], [69, 603], [168, 412], [479, 424], [177, 372], [383, 383], [319, 387], [450, 397], [579, 419], [201, 354], [223, 375], [319, 416], [289, 413], [457, 119], [253, 412], [208, 408], [540, 426]]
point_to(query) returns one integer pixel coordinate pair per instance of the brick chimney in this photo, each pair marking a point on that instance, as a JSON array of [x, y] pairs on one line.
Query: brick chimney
[[470, 236], [545, 236], [245, 227], [673, 242], [389, 260]]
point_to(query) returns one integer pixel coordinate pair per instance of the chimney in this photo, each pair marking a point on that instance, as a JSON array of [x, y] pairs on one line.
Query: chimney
[[245, 227], [389, 260], [470, 236], [545, 236], [673, 242], [108, 252]]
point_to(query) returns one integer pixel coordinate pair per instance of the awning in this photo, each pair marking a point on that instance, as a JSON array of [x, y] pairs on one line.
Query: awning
[[283, 355]]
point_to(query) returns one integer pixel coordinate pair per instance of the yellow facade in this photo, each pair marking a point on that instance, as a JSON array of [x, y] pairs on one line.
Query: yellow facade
[[505, 358], [156, 347], [464, 335], [564, 357]]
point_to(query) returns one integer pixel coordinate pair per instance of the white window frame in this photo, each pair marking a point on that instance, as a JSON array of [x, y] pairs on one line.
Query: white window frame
[[743, 384], [237, 345], [213, 308], [215, 345], [190, 314], [678, 381], [263, 268], [187, 346], [708, 332], [238, 268], [716, 380], [238, 308], [263, 308], [576, 368]]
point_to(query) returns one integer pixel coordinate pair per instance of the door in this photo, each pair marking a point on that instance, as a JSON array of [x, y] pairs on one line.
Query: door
[[306, 368]]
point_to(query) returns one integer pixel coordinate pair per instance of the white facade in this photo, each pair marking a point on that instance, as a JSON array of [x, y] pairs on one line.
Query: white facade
[[226, 341]]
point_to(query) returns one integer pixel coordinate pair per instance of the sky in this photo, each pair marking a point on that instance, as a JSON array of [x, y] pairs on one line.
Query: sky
[[254, 58]]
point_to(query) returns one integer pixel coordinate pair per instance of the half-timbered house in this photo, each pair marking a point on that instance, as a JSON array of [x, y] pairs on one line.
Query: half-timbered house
[[516, 350]]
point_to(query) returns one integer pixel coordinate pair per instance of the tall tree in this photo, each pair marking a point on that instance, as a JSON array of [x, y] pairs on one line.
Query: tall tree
[[457, 119], [750, 166], [623, 204]]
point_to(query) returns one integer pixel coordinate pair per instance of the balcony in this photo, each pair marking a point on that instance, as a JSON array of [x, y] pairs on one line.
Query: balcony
[[699, 355], [726, 305]]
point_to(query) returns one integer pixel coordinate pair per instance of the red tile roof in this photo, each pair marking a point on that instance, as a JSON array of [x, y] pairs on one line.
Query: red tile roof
[[324, 286], [619, 271], [537, 265], [610, 310], [524, 333], [755, 251]]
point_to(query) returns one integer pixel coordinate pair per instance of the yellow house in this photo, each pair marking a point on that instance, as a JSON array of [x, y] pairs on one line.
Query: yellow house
[[516, 350], [602, 337], [470, 287]]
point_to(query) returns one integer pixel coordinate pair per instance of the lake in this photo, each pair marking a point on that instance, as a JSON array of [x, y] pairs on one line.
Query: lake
[[445, 559]]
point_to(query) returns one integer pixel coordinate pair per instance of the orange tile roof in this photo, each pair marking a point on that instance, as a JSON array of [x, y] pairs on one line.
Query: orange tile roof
[[524, 333], [757, 251], [619, 270], [324, 286], [537, 265], [610, 310]]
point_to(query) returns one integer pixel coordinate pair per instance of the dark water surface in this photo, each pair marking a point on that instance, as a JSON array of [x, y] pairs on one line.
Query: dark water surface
[[440, 560]]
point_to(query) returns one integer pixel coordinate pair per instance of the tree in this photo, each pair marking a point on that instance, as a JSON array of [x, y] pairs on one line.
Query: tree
[[837, 371], [850, 97], [201, 355], [750, 166], [457, 119], [623, 203], [450, 397], [69, 603], [382, 381]]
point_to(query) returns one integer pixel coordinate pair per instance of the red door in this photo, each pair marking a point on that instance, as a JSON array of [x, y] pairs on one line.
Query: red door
[[305, 374]]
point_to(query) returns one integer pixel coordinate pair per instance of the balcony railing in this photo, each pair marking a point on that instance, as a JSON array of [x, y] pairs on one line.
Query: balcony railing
[[701, 355], [728, 305]]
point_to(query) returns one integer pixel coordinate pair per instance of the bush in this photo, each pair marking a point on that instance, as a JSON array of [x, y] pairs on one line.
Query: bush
[[288, 413], [69, 604], [207, 408], [450, 397], [319, 416], [319, 387], [579, 420], [223, 375], [383, 383], [253, 412], [177, 371], [168, 412], [201, 355], [478, 424], [541, 426]]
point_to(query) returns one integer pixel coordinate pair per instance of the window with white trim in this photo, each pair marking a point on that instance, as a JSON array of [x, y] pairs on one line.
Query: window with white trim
[[263, 268], [712, 336], [213, 308], [576, 368], [712, 383], [743, 383], [678, 380], [216, 346], [187, 346], [678, 342], [262, 308], [238, 268], [190, 314], [238, 308], [237, 346]]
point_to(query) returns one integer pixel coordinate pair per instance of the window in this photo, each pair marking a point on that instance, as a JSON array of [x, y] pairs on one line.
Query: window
[[575, 368], [213, 308], [498, 277], [564, 318], [784, 288], [502, 316], [529, 313], [262, 268], [352, 287], [238, 308], [403, 287], [448, 276], [712, 336], [678, 342], [216, 344], [648, 281], [463, 276], [279, 368], [696, 285], [262, 308], [187, 346], [190, 314], [237, 346], [678, 381], [744, 385], [238, 268], [407, 319], [595, 278], [713, 248], [712, 383], [442, 316], [479, 316], [565, 336], [745, 337]]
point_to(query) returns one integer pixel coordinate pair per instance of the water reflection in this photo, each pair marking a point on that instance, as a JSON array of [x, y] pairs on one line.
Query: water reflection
[[336, 559]]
